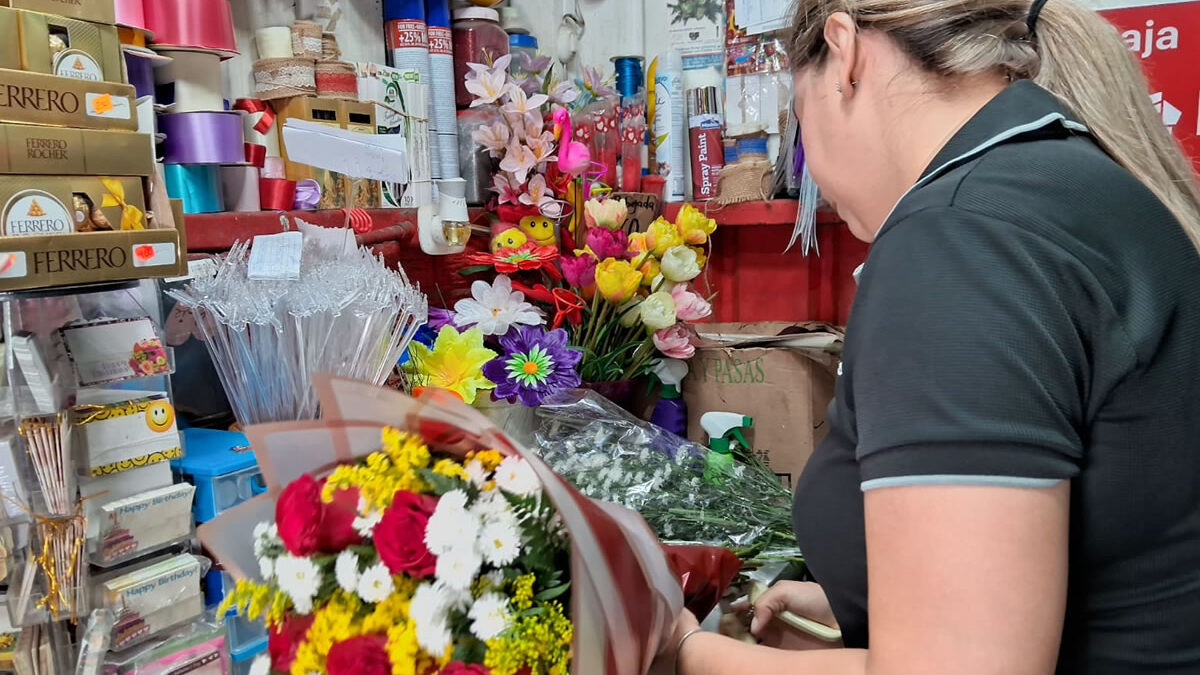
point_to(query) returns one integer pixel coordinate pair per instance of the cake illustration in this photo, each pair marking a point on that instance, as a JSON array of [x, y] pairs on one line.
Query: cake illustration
[[117, 544], [128, 629]]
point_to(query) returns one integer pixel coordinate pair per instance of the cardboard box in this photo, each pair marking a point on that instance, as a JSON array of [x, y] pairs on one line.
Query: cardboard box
[[69, 47], [64, 205], [34, 98], [337, 191], [99, 11], [393, 91], [785, 384], [34, 150]]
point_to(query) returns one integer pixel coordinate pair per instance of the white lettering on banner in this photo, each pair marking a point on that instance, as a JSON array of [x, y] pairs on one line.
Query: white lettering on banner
[[1169, 113], [1144, 43]]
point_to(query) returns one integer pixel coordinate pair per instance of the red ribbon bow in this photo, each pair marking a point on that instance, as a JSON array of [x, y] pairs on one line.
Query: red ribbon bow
[[254, 105], [568, 306]]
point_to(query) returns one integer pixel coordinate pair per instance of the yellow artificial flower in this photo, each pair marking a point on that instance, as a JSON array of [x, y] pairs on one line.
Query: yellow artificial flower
[[455, 363], [490, 459], [662, 235], [617, 280], [637, 244], [701, 258], [694, 226], [658, 311], [680, 265], [450, 469]]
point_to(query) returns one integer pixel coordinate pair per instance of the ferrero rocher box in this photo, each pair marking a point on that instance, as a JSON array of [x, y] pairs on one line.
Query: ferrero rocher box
[[68, 47], [27, 149], [43, 244], [99, 11], [35, 98]]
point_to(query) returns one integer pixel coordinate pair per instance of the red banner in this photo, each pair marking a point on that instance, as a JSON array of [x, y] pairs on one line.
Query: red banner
[[1166, 38]]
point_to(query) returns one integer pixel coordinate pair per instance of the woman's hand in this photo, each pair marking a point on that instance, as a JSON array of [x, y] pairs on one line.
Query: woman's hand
[[802, 598], [664, 663]]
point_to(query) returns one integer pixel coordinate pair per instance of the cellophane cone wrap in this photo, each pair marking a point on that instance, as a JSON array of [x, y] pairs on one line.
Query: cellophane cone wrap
[[625, 597]]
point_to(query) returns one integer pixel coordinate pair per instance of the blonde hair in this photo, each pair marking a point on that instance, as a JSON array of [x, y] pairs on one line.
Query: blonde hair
[[1074, 53]]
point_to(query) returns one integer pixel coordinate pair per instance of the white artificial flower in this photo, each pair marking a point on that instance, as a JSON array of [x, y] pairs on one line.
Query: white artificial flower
[[375, 584], [454, 501], [514, 475], [449, 530], [491, 507], [261, 536], [429, 602], [346, 571], [266, 568], [477, 473], [489, 616], [300, 578], [457, 568], [495, 307], [500, 543], [433, 636], [455, 599], [261, 665], [365, 525]]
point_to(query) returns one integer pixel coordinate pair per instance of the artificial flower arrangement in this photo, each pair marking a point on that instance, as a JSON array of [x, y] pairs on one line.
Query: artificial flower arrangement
[[403, 536]]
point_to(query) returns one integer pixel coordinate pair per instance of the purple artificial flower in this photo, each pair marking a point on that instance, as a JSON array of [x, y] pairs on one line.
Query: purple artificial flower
[[606, 243], [535, 364], [439, 317], [579, 271]]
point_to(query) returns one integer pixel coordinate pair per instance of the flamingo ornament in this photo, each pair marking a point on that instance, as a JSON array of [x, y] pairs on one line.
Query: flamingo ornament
[[573, 157]]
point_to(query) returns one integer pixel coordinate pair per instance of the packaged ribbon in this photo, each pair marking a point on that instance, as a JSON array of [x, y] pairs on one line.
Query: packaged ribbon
[[199, 24], [277, 194], [284, 78], [202, 138], [274, 167], [308, 194], [129, 14], [336, 79], [306, 40], [330, 51], [241, 187]]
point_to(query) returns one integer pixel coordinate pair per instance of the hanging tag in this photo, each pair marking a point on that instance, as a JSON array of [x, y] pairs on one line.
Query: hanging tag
[[275, 257]]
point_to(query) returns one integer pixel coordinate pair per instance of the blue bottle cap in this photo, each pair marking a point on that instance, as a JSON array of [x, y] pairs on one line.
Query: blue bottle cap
[[403, 9], [524, 41], [437, 13]]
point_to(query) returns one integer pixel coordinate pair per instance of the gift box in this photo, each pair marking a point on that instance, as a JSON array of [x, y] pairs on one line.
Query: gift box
[[115, 437], [337, 191], [67, 47], [60, 205], [99, 11], [36, 98], [62, 151]]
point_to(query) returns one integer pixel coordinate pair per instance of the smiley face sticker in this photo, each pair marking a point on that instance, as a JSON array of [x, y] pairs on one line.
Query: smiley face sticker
[[160, 416]]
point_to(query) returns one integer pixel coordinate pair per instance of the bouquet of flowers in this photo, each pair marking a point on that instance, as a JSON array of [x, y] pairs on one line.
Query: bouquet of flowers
[[408, 536]]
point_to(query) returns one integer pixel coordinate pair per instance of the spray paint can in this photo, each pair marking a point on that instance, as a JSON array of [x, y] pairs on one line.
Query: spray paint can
[[441, 68], [668, 126], [407, 42], [704, 129]]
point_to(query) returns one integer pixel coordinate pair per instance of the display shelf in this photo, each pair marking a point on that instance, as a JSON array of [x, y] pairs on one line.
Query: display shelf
[[773, 212]]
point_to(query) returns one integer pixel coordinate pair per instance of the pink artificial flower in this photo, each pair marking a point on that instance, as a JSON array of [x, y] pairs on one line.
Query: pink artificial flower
[[489, 84], [539, 192], [689, 306], [595, 82], [606, 243], [520, 104], [507, 187], [579, 271], [676, 342], [542, 146], [534, 64], [564, 93], [492, 136], [518, 160]]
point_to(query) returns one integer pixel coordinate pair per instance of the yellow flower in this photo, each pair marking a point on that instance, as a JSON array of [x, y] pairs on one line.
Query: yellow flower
[[694, 226], [523, 591], [662, 235], [490, 459], [333, 623], [609, 213], [450, 469], [455, 363], [638, 244], [541, 643], [701, 259], [617, 280], [396, 467], [658, 311], [650, 270], [679, 264]]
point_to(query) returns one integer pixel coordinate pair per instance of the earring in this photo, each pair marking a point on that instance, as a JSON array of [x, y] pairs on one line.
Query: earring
[[853, 83]]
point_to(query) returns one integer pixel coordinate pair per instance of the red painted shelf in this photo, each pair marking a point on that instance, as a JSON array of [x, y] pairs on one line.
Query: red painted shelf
[[774, 212]]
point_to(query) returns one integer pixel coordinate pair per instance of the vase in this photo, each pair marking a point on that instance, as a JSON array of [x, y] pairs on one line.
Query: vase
[[517, 421], [620, 392]]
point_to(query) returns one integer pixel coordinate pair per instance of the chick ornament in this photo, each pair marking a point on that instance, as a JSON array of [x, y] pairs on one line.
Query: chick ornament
[[521, 224]]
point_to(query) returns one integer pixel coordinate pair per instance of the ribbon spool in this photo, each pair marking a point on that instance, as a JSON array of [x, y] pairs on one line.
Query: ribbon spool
[[198, 185], [140, 69], [336, 79], [194, 24], [308, 195], [306, 40], [191, 82], [240, 185], [330, 51], [277, 194], [274, 42], [284, 78], [256, 155], [274, 167], [258, 125], [130, 14], [133, 37], [202, 138]]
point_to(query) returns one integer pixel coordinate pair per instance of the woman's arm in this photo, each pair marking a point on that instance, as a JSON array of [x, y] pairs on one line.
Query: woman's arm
[[963, 579]]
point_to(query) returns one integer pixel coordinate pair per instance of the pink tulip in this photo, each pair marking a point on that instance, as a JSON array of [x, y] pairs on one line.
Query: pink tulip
[[676, 342], [580, 271], [606, 243], [689, 306]]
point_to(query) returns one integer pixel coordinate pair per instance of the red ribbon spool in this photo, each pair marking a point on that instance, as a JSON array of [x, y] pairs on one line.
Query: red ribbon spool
[[254, 105], [256, 155], [276, 194]]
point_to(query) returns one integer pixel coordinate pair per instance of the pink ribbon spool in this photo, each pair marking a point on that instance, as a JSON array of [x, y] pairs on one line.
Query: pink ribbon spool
[[130, 13], [192, 24]]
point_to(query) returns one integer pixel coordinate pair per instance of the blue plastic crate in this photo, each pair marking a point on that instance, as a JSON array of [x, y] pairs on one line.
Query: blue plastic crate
[[221, 466], [245, 636], [243, 655]]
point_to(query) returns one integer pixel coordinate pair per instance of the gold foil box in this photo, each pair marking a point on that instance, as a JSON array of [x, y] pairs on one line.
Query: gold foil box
[[27, 149], [99, 11], [36, 98], [69, 47]]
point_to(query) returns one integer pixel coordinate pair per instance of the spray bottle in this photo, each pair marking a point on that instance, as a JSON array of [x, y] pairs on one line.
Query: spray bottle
[[724, 431], [668, 138], [670, 412]]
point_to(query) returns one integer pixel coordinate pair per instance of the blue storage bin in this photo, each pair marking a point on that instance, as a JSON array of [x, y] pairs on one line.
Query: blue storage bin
[[244, 634], [244, 655], [222, 467]]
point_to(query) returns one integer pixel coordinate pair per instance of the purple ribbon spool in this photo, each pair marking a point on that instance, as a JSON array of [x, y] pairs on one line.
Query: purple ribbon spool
[[141, 73], [202, 138]]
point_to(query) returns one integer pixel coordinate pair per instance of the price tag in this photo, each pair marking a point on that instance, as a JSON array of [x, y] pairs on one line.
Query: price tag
[[276, 256]]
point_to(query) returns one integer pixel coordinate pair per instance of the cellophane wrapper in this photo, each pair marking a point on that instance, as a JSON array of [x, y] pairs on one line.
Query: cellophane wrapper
[[625, 596]]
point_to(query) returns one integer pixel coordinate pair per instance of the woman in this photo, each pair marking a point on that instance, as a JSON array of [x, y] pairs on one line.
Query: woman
[[1013, 466]]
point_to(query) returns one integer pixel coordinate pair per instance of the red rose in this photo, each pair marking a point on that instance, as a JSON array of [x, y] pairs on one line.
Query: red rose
[[460, 668], [308, 525], [362, 655], [400, 535], [283, 641]]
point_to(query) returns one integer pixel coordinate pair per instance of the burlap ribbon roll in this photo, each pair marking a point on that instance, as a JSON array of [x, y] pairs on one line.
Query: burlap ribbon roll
[[284, 78], [336, 79], [306, 40], [744, 181], [330, 51]]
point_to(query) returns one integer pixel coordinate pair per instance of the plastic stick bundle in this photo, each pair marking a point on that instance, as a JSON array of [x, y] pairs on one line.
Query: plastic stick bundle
[[346, 315]]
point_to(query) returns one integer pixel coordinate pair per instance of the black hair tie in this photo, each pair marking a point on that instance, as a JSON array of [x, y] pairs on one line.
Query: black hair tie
[[1035, 10]]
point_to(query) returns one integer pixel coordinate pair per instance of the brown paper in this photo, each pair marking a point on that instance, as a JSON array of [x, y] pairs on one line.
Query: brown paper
[[34, 98], [785, 389]]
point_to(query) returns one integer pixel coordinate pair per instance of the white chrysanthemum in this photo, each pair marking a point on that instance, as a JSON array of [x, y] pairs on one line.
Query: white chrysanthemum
[[266, 568], [375, 584], [456, 599], [300, 578], [448, 530], [429, 602], [489, 616], [477, 473], [457, 568], [500, 543], [454, 501], [365, 525], [433, 636], [491, 507], [261, 665], [346, 571], [516, 476], [261, 537]]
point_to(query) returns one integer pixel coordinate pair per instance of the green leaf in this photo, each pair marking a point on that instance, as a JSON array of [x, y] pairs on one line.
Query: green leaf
[[533, 611], [442, 484], [552, 593], [474, 269], [469, 650]]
